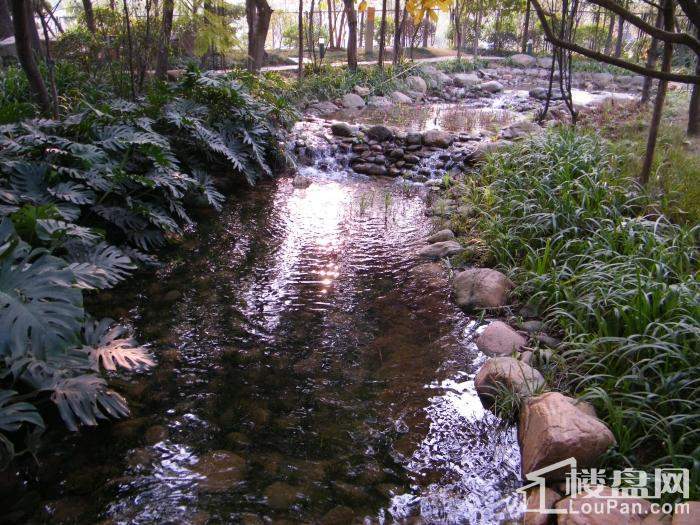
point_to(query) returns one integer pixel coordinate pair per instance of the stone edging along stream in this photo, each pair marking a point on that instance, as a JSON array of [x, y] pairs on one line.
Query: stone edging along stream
[[552, 427]]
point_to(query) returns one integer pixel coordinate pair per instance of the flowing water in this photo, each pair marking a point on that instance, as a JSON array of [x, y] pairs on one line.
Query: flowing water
[[308, 372]]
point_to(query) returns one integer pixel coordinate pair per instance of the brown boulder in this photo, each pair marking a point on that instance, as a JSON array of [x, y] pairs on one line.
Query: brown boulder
[[599, 505], [441, 236], [553, 429], [481, 288], [533, 503], [514, 375], [499, 339], [222, 470]]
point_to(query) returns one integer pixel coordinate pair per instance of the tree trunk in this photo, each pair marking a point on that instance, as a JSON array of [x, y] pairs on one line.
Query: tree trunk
[[424, 27], [33, 31], [660, 97], [397, 32], [22, 18], [609, 37], [351, 16], [258, 13], [6, 29], [89, 16], [651, 61], [164, 46], [300, 23], [130, 49], [330, 24], [694, 107], [620, 34], [382, 36], [526, 29], [477, 29], [49, 63]]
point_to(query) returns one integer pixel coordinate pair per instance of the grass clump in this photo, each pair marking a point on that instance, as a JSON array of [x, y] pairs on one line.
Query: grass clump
[[619, 285]]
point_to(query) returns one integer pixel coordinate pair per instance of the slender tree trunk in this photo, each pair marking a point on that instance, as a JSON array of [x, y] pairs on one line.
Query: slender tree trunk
[[620, 35], [22, 18], [651, 61], [477, 29], [262, 25], [164, 46], [89, 16], [609, 37], [397, 32], [424, 27], [694, 107], [251, 17], [458, 28], [130, 49], [50, 64], [351, 16], [330, 24], [300, 23], [660, 96], [6, 29], [33, 31], [526, 29], [382, 36]]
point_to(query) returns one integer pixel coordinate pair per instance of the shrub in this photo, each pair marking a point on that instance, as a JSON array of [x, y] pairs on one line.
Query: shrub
[[619, 285], [83, 200]]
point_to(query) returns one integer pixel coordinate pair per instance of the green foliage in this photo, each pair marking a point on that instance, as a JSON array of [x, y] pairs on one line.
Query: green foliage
[[82, 202], [619, 285]]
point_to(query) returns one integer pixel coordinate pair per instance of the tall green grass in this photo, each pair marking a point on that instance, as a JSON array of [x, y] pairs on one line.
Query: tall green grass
[[619, 285]]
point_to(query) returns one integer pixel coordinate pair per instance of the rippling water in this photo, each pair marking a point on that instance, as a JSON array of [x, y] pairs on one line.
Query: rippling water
[[308, 372]]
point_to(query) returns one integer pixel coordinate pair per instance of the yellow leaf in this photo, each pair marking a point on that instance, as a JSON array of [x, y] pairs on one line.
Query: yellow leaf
[[362, 7], [433, 16]]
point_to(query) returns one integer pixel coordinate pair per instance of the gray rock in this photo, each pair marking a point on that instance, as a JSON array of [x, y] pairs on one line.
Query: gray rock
[[400, 98], [380, 133], [416, 83], [379, 102], [301, 181], [353, 101], [466, 79], [439, 250], [481, 288], [413, 139], [437, 138], [545, 62], [602, 80], [492, 86], [323, 108], [499, 339], [343, 129], [370, 169], [442, 235], [523, 60], [361, 91]]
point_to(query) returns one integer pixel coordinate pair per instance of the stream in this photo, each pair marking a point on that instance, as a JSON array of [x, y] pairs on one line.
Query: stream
[[309, 370]]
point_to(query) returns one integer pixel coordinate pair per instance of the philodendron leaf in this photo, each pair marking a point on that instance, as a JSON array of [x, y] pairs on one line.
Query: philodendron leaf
[[106, 345], [40, 309], [100, 266], [13, 415], [85, 399]]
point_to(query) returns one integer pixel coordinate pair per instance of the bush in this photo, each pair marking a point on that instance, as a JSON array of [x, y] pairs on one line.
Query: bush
[[83, 202], [619, 285]]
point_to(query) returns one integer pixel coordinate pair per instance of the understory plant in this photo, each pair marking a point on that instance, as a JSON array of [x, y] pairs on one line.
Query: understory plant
[[616, 279], [84, 201]]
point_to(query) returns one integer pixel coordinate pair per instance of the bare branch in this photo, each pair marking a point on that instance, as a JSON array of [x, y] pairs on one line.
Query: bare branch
[[600, 57]]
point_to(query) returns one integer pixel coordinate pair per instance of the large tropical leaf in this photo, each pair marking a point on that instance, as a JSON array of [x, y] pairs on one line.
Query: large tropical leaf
[[72, 192], [106, 345], [40, 310], [101, 266], [14, 414], [48, 229]]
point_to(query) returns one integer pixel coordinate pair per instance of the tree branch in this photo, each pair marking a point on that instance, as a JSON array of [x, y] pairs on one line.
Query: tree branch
[[600, 57], [664, 36]]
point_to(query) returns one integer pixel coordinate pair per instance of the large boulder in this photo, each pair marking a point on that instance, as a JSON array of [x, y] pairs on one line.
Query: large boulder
[[400, 98], [492, 86], [438, 250], [353, 101], [379, 102], [343, 129], [601, 505], [380, 133], [602, 80], [553, 429], [437, 138], [509, 373], [499, 339], [221, 470], [369, 168], [442, 235], [545, 62], [301, 181], [519, 130], [481, 288], [523, 60], [417, 84], [466, 79]]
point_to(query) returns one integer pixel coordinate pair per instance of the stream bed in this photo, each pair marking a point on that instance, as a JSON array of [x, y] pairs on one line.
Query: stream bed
[[308, 372]]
